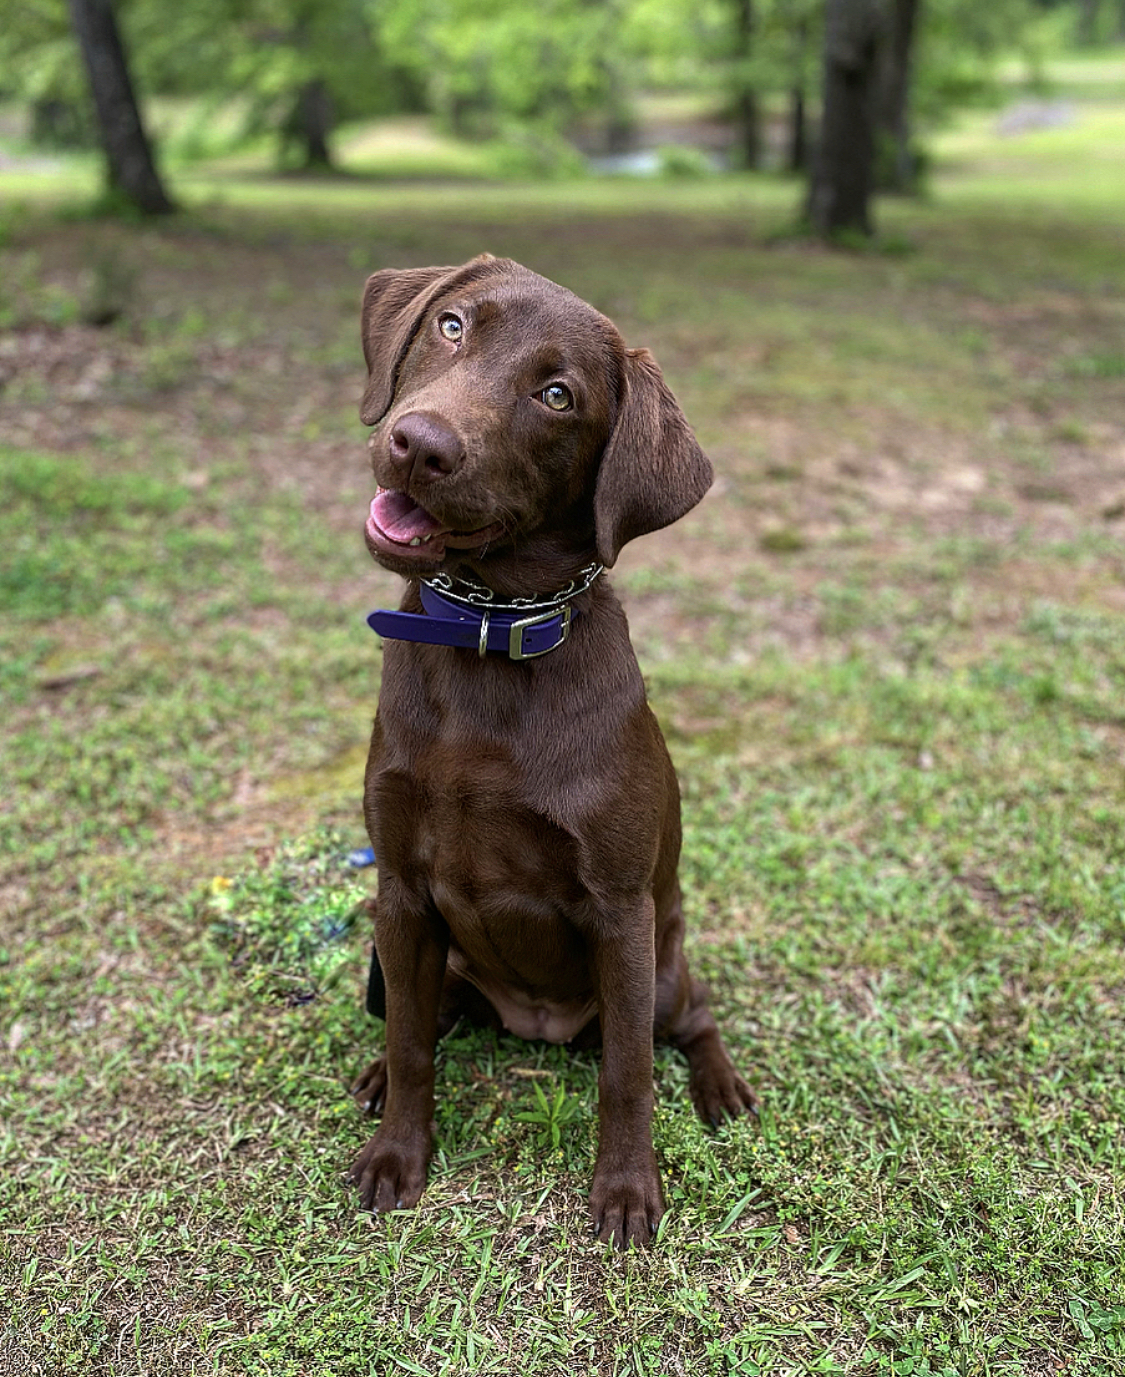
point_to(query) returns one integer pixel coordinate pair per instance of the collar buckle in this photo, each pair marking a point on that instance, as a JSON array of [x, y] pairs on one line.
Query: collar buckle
[[515, 633]]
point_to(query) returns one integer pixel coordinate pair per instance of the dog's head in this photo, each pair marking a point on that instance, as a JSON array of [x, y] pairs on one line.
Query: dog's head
[[512, 427]]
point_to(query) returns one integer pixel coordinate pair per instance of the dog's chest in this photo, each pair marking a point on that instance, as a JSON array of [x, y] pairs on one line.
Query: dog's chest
[[482, 846], [461, 827]]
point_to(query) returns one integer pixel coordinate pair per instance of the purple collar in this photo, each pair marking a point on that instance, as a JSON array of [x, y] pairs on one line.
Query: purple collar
[[522, 630]]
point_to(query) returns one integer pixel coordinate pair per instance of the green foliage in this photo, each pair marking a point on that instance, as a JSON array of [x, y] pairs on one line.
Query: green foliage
[[552, 1114], [676, 160], [506, 70], [40, 65], [697, 46], [266, 51], [957, 49], [959, 46], [481, 65], [677, 40], [533, 151], [287, 928]]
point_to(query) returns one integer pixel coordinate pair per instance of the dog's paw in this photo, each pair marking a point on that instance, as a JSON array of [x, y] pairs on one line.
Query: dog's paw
[[627, 1203], [370, 1090], [719, 1092], [391, 1174]]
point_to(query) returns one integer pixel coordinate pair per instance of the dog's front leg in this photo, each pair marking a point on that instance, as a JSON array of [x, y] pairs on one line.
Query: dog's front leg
[[626, 1200], [412, 943]]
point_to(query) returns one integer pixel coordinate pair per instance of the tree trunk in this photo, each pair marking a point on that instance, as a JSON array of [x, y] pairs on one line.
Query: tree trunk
[[130, 169], [843, 168], [1088, 22], [798, 130], [896, 166], [312, 119], [798, 109], [747, 121]]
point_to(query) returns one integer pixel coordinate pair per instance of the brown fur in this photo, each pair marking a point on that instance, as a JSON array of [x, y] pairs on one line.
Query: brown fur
[[525, 815]]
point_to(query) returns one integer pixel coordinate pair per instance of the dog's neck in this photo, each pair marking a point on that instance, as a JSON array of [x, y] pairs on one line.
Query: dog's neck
[[474, 593], [463, 613]]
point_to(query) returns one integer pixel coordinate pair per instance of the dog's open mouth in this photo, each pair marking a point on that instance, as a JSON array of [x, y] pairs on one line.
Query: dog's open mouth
[[397, 525]]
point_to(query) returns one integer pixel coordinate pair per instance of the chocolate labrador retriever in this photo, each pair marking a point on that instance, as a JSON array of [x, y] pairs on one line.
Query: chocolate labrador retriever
[[522, 807]]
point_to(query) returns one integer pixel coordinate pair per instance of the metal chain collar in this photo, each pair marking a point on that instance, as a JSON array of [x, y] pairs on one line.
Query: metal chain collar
[[472, 594]]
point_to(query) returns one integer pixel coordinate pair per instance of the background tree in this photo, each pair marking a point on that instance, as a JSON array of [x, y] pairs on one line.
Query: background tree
[[131, 173], [896, 165], [890, 65], [801, 20], [306, 65], [843, 167], [747, 131]]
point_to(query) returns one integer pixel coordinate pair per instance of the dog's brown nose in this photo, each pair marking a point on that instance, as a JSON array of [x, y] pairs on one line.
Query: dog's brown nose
[[423, 448]]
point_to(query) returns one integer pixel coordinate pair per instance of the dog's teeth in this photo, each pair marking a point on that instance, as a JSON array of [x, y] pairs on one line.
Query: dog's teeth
[[416, 541]]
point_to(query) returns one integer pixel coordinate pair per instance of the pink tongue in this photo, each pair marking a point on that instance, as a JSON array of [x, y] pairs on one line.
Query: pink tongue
[[401, 518]]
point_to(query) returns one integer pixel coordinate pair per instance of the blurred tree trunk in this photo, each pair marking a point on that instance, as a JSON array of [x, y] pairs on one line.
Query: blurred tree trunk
[[748, 140], [310, 124], [1088, 22], [895, 163], [798, 130], [798, 155], [843, 166], [131, 170]]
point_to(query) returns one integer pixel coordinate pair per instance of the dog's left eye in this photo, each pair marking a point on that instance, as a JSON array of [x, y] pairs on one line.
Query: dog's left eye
[[451, 328], [557, 397]]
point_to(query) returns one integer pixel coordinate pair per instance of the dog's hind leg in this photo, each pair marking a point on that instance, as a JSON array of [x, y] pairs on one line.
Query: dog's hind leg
[[683, 1016], [459, 999]]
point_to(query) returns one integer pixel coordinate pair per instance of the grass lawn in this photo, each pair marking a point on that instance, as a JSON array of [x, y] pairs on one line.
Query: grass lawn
[[888, 651]]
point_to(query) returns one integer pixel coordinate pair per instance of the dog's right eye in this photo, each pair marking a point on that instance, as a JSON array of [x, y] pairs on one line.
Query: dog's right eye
[[557, 397], [451, 328]]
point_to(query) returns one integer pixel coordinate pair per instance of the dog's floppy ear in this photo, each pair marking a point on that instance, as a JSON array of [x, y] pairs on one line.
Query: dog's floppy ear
[[394, 301], [653, 470]]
